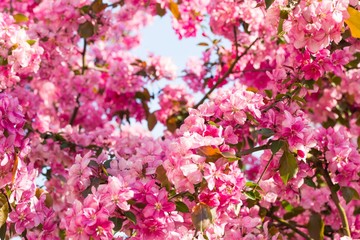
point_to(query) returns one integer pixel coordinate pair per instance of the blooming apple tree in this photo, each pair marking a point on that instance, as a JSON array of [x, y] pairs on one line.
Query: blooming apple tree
[[269, 150]]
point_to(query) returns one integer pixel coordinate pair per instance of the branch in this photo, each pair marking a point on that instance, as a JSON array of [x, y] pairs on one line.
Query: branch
[[265, 169], [83, 55], [83, 68], [288, 225], [228, 72], [76, 110], [335, 199], [11, 7], [236, 42], [251, 150], [115, 4]]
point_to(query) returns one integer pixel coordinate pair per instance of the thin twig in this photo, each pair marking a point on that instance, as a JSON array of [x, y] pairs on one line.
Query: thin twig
[[228, 72], [288, 225], [83, 55], [76, 110], [11, 7], [236, 42], [115, 4], [265, 169], [83, 68], [251, 150]]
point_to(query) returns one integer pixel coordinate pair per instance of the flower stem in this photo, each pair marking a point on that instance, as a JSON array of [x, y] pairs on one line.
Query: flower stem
[[335, 199]]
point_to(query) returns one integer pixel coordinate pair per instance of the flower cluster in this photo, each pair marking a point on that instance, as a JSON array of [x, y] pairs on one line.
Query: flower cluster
[[19, 53], [268, 148]]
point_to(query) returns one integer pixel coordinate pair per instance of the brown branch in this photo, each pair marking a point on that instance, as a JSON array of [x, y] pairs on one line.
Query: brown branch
[[251, 150], [288, 225], [83, 68], [228, 72], [335, 199], [265, 169]]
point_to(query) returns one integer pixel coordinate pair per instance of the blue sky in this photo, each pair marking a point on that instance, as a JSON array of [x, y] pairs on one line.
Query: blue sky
[[159, 38]]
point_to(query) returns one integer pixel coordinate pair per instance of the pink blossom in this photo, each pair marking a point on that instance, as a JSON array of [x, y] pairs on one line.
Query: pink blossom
[[158, 205]]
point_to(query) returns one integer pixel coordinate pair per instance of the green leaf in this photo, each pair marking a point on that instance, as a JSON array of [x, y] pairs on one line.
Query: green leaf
[[284, 13], [213, 124], [159, 10], [288, 166], [3, 231], [251, 118], [62, 234], [269, 93], [293, 213], [316, 227], [181, 207], [299, 99], [230, 156], [266, 132], [19, 18], [268, 3], [252, 185], [308, 181], [151, 121], [287, 206], [4, 211], [162, 178], [64, 145], [280, 96], [276, 145], [31, 42], [201, 216], [84, 10], [253, 195], [129, 215], [118, 222], [3, 61], [349, 193], [86, 29], [174, 8], [281, 31], [336, 80], [356, 211]]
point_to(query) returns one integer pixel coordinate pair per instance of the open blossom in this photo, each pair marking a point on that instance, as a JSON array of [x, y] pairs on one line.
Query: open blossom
[[257, 153], [235, 107], [115, 194], [316, 24], [158, 205], [23, 217], [19, 54], [190, 16], [12, 135], [79, 173], [87, 220]]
